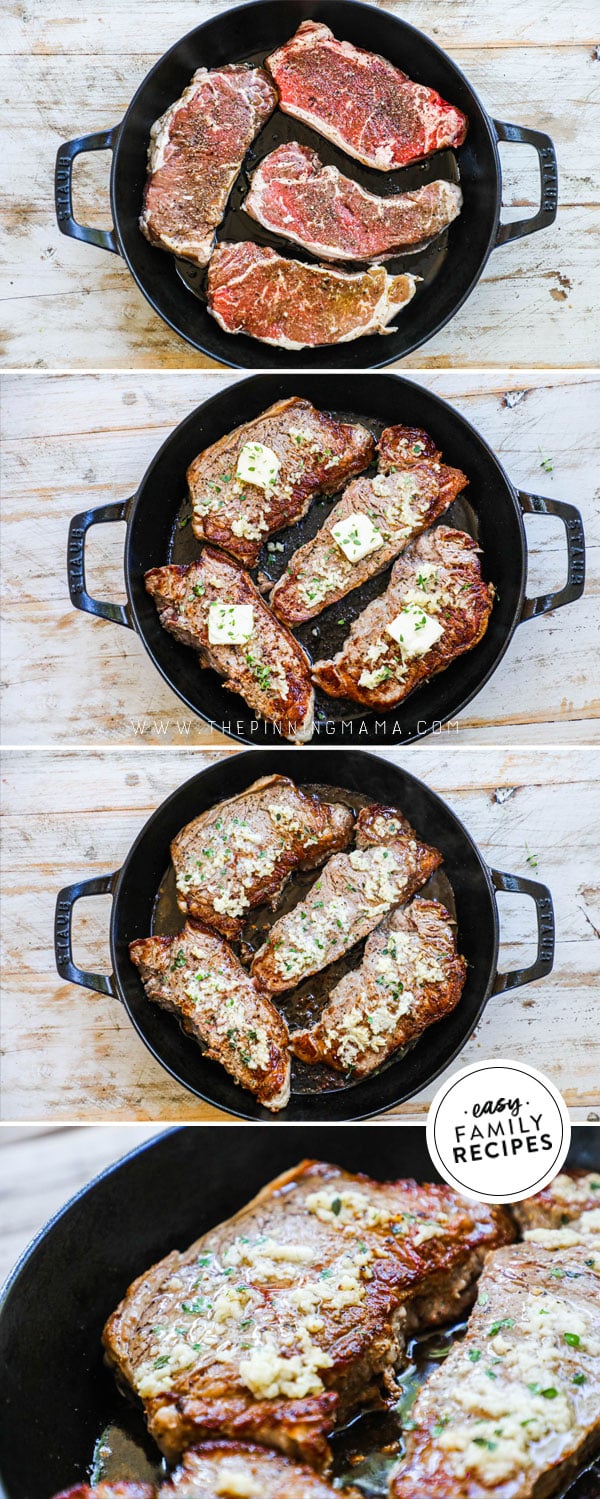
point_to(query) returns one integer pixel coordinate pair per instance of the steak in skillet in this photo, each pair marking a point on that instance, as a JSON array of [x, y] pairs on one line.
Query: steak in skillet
[[567, 1212], [277, 1324], [360, 101], [351, 896], [269, 669], [241, 1470], [410, 976], [316, 454], [412, 488], [195, 153], [436, 607], [253, 290], [241, 852], [197, 977], [117, 1489], [293, 194], [514, 1409]]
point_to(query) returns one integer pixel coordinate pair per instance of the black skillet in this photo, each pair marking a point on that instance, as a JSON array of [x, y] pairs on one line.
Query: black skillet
[[492, 509], [57, 1395], [468, 885], [450, 266]]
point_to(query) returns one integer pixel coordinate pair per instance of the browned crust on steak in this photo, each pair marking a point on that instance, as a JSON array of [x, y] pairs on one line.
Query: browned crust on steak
[[119, 1489], [562, 1202], [254, 1472]]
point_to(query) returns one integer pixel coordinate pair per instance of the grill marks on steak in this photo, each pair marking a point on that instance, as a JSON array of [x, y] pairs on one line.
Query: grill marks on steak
[[413, 487], [270, 671], [253, 290], [196, 151], [279, 1352], [351, 896], [360, 101], [524, 1431], [241, 852], [197, 977], [410, 977], [241, 1470], [439, 577], [317, 455], [293, 194]]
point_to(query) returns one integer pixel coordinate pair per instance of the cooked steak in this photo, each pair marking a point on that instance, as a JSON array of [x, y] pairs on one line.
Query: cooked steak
[[413, 487], [240, 853], [351, 896], [197, 977], [514, 1408], [195, 153], [241, 1470], [126, 1489], [437, 606], [275, 1325], [410, 976], [267, 667], [253, 290], [292, 193], [565, 1213], [307, 453], [360, 101]]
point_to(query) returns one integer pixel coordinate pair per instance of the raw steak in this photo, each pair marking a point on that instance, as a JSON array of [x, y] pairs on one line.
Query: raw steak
[[195, 153], [317, 454], [361, 102], [292, 305], [270, 671], [241, 1470], [293, 194]]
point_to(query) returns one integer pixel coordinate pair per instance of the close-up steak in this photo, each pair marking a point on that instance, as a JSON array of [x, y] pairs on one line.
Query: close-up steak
[[438, 580], [277, 1324], [242, 1470], [196, 150], [316, 455], [269, 670], [292, 305], [241, 852], [565, 1213], [350, 897], [410, 976], [196, 977], [360, 101], [293, 194]]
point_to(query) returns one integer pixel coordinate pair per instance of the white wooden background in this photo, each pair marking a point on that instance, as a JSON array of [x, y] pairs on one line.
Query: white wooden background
[[72, 66], [70, 1054], [76, 441]]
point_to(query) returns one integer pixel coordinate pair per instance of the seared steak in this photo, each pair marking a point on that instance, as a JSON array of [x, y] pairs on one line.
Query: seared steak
[[413, 487], [241, 1470], [316, 454], [360, 101], [195, 153], [125, 1489], [275, 1325], [410, 976], [351, 896], [240, 853], [436, 607], [293, 194], [253, 290], [514, 1408], [197, 977], [567, 1212], [268, 668]]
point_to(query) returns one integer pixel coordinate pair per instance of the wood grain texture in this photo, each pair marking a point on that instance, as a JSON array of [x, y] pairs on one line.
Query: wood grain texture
[[70, 1054], [72, 442], [69, 69]]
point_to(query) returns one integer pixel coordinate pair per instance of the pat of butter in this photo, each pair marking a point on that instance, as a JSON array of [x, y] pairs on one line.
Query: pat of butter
[[230, 624], [414, 631], [258, 465], [356, 536]]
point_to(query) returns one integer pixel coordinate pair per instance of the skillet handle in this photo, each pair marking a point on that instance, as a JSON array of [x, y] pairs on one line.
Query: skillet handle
[[103, 140], [548, 209], [516, 884], [78, 529], [102, 884], [535, 504]]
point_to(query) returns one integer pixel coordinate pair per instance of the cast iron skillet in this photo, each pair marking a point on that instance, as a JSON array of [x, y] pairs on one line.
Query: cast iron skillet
[[58, 1397], [473, 885], [492, 509], [450, 267]]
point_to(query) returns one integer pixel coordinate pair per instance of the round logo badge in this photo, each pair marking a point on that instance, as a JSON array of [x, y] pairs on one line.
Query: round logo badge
[[498, 1131]]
